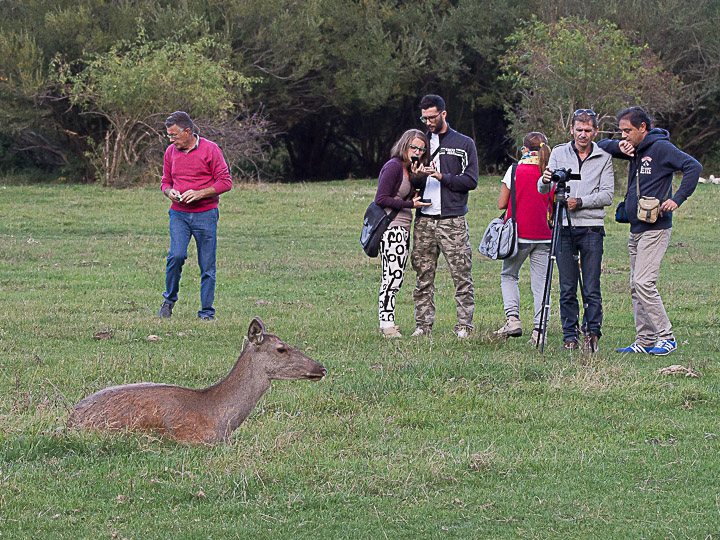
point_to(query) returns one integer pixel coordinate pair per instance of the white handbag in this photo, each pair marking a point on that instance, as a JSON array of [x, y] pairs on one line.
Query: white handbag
[[500, 240]]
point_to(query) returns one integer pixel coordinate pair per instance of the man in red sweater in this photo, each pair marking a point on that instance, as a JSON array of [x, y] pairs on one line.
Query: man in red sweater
[[194, 176]]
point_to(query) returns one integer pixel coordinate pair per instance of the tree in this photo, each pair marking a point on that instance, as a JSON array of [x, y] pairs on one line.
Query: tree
[[40, 130], [135, 84], [22, 83], [342, 78], [684, 35], [553, 69]]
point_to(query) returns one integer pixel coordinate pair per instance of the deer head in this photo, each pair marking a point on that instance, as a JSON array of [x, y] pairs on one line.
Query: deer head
[[280, 360]]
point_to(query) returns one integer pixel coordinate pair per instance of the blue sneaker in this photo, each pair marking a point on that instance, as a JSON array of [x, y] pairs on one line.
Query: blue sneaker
[[663, 347], [635, 348]]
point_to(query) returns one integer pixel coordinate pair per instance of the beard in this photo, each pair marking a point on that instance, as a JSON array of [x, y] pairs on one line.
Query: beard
[[438, 126]]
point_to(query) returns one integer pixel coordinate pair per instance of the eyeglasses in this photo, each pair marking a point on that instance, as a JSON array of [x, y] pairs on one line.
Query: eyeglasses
[[589, 112], [426, 119], [172, 136], [418, 148]]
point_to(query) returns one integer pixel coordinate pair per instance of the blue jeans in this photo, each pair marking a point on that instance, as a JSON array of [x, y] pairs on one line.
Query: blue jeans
[[203, 226], [588, 243]]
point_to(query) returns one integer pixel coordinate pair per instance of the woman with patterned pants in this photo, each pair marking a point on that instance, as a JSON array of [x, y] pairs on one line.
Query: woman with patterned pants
[[396, 194]]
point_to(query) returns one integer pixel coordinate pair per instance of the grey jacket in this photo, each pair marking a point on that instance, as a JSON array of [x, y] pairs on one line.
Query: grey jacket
[[595, 187]]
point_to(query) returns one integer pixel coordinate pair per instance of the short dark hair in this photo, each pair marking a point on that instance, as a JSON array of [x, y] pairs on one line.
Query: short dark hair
[[636, 116], [180, 119], [432, 100]]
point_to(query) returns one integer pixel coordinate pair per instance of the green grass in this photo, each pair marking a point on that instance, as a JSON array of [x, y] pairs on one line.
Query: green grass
[[402, 439]]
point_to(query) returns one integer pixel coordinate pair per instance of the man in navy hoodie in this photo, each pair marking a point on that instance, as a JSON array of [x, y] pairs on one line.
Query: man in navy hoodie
[[441, 226], [653, 161]]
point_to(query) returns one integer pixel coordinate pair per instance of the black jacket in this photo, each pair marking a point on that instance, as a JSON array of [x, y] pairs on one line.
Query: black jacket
[[459, 168], [658, 159]]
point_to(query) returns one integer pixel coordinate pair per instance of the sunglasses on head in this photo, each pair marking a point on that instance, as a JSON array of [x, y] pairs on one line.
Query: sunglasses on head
[[589, 112]]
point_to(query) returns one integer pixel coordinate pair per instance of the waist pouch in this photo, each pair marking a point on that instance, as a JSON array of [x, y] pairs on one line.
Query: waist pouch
[[648, 209]]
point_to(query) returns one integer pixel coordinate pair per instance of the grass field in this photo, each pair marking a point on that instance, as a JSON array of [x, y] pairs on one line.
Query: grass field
[[402, 439]]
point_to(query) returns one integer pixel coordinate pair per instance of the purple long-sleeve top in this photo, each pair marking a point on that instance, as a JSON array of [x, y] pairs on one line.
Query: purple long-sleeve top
[[391, 176]]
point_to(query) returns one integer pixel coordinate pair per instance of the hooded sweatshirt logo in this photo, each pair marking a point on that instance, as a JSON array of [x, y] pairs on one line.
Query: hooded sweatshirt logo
[[645, 167]]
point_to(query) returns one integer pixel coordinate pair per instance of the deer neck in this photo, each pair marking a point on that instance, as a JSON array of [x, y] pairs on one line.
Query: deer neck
[[235, 396]]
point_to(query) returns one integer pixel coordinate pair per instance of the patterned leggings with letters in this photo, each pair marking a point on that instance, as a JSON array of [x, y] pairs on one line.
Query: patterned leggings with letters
[[394, 250]]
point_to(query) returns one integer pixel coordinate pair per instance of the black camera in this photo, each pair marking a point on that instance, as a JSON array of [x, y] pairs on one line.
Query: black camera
[[561, 176]]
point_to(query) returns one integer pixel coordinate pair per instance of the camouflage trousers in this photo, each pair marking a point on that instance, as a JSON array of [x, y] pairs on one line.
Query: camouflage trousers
[[451, 237]]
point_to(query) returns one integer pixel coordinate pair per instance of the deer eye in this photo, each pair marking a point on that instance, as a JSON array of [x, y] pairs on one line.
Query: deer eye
[[281, 349]]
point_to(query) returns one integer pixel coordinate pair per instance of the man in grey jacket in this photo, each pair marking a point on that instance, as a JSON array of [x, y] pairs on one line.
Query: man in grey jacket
[[583, 239]]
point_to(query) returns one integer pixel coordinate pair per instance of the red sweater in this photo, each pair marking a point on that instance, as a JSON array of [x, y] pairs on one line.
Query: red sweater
[[532, 207], [201, 167]]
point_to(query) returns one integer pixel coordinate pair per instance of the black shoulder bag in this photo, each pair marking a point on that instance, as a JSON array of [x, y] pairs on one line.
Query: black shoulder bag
[[620, 212], [375, 223]]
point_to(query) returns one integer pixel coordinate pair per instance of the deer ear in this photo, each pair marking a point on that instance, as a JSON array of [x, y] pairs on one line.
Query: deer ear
[[256, 332]]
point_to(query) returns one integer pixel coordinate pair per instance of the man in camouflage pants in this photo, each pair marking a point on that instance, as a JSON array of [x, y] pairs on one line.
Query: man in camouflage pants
[[451, 174]]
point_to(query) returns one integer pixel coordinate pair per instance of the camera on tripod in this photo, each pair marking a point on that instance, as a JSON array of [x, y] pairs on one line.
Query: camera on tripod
[[561, 177]]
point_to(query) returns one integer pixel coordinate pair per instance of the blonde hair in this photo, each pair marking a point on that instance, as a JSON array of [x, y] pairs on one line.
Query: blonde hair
[[400, 148], [537, 142]]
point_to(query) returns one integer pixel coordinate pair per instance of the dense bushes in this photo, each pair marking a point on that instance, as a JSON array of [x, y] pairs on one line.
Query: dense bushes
[[321, 88]]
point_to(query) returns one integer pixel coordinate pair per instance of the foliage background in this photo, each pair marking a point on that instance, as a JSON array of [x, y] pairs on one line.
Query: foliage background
[[334, 82]]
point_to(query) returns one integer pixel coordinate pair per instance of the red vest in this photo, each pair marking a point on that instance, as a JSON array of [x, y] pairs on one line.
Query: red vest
[[532, 207]]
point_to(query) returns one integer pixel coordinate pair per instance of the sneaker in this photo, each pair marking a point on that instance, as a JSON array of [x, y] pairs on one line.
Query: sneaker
[[206, 317], [590, 343], [463, 332], [390, 332], [663, 347], [571, 344], [512, 328], [165, 310], [421, 331], [634, 348], [535, 337]]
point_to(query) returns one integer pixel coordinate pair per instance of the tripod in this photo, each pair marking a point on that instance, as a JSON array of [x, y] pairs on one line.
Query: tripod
[[560, 209]]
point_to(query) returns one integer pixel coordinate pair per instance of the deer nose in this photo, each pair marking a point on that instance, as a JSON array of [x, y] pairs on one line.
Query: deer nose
[[319, 374]]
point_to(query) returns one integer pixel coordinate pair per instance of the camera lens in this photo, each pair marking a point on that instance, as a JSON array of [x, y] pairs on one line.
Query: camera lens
[[560, 175]]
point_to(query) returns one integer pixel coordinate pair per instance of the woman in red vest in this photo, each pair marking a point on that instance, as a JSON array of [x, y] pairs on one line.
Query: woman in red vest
[[533, 234]]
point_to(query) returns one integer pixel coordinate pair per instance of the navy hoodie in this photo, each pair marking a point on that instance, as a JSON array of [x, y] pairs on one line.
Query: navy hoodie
[[658, 159]]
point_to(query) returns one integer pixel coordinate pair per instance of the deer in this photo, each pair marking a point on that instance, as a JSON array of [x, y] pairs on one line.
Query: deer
[[199, 416]]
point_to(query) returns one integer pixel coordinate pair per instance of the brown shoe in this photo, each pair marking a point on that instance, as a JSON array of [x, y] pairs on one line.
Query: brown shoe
[[536, 337], [390, 332], [512, 328], [590, 343], [570, 344]]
